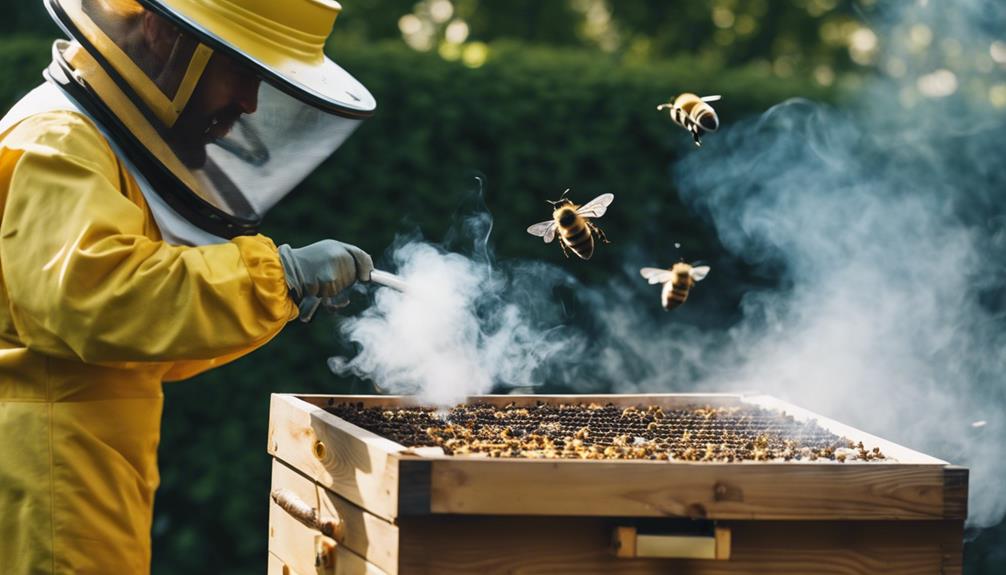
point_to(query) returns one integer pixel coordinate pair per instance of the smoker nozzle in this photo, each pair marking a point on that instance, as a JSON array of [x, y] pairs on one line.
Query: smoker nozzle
[[387, 279]]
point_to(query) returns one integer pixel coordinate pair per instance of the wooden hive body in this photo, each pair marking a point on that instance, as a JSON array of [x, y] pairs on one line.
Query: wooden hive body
[[402, 510]]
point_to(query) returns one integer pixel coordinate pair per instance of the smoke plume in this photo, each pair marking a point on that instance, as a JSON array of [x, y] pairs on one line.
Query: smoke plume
[[883, 220], [462, 328], [887, 223]]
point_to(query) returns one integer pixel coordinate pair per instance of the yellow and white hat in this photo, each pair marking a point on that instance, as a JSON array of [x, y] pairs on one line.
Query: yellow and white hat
[[225, 105]]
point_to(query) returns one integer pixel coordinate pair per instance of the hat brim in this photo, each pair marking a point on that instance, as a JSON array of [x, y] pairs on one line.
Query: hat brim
[[320, 82]]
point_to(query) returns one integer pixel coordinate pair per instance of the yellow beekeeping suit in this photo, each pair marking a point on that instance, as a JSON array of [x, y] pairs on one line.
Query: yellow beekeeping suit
[[95, 312]]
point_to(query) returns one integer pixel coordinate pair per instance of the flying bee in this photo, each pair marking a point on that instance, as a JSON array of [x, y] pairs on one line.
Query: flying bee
[[576, 232], [678, 281], [694, 114]]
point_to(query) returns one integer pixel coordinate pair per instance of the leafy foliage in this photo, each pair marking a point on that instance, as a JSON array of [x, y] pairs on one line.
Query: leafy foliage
[[533, 121]]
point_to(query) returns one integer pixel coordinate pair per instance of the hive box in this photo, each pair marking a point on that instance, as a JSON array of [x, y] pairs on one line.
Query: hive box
[[347, 501]]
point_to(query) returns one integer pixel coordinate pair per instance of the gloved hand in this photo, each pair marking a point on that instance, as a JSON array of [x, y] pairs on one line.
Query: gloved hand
[[322, 270], [310, 305]]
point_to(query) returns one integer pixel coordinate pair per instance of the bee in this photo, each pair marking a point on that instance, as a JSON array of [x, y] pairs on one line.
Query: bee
[[694, 114], [576, 231], [678, 281]]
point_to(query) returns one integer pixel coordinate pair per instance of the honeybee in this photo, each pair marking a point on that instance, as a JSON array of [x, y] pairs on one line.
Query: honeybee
[[694, 114], [678, 281], [576, 231]]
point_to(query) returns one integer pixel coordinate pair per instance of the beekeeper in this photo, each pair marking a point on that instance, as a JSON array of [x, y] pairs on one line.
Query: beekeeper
[[132, 183]]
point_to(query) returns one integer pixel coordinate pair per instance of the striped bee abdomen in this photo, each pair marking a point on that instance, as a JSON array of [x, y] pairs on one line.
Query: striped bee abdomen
[[675, 292], [576, 235], [680, 117], [705, 116]]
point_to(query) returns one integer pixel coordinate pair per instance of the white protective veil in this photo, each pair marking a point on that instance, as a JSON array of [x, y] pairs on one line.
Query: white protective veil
[[223, 106]]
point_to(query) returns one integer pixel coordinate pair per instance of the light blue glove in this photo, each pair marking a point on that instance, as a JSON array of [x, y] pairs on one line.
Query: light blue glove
[[322, 270]]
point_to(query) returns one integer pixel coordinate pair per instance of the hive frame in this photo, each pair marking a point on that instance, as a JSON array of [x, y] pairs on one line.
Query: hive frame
[[391, 480]]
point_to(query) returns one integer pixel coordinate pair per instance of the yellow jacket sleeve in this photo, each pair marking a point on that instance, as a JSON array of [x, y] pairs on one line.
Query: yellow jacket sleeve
[[84, 279]]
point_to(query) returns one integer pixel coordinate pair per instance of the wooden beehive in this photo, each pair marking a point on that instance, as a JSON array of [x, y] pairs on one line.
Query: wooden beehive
[[345, 500]]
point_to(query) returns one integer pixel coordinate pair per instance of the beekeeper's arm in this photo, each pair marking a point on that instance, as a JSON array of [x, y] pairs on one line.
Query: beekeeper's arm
[[84, 281]]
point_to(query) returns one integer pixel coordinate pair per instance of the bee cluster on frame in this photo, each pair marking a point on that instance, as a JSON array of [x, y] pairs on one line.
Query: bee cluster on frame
[[578, 234], [609, 432]]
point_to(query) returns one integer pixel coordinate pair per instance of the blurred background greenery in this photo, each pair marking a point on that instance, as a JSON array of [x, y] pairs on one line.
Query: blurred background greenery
[[537, 96]]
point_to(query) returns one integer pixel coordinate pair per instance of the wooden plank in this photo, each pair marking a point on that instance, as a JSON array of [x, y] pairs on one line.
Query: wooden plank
[[911, 488], [289, 539], [415, 478], [352, 462], [456, 545], [698, 490], [899, 453], [296, 546], [665, 400], [275, 566], [955, 492], [365, 534], [346, 563], [349, 563]]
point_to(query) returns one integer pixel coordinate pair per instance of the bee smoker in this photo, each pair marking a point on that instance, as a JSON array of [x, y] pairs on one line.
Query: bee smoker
[[379, 277]]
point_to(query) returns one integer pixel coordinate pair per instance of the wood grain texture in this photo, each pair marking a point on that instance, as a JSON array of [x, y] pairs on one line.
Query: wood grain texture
[[290, 539], [955, 492], [349, 563], [295, 545], [699, 490], [899, 453], [390, 480], [415, 477], [346, 563], [352, 462], [445, 545], [421, 512], [365, 534]]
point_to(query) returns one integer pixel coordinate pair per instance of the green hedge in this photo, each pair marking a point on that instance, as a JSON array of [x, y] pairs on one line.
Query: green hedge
[[22, 59], [534, 121]]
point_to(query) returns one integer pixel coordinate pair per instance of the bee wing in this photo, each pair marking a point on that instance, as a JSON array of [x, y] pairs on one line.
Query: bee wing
[[656, 275], [544, 230], [699, 273], [710, 98], [595, 208]]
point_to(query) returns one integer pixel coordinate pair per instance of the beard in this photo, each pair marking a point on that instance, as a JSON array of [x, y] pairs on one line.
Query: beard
[[191, 133]]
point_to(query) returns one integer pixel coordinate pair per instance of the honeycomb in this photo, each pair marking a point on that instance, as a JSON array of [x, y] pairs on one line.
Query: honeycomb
[[608, 432]]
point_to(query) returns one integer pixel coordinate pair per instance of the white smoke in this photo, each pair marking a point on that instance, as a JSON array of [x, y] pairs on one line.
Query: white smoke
[[887, 222], [880, 323], [886, 226], [460, 329]]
